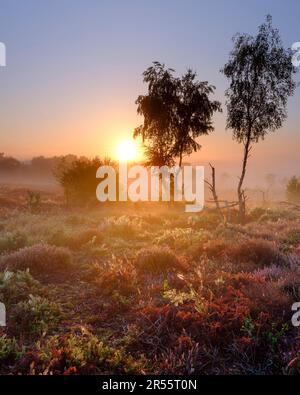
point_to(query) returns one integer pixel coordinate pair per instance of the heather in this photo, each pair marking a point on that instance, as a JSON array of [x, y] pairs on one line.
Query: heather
[[121, 290]]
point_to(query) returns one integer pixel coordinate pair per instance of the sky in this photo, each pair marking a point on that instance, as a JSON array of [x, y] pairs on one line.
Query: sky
[[74, 70]]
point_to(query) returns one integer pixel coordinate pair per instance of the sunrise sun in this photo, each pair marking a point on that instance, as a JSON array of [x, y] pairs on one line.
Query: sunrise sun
[[128, 151]]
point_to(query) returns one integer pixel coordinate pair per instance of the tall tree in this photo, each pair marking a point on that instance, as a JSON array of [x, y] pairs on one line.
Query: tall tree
[[260, 72], [157, 108], [176, 112], [194, 112]]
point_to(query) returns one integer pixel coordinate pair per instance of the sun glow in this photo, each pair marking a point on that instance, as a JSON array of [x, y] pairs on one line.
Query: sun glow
[[128, 151]]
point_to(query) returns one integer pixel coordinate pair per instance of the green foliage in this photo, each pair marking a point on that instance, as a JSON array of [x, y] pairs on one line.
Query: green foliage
[[275, 334], [178, 298], [12, 241], [249, 328], [35, 316], [9, 350], [124, 227], [179, 238], [176, 111], [87, 353], [78, 179], [16, 287], [260, 73]]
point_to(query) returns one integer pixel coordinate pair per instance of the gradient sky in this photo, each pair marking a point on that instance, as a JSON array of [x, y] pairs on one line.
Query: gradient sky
[[74, 70]]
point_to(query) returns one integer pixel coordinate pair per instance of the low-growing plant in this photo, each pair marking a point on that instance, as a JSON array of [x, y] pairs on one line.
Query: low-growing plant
[[158, 260], [75, 240], [249, 328], [39, 259], [35, 316], [123, 227], [180, 238], [12, 241], [179, 298], [255, 214], [85, 353], [275, 334], [10, 351], [16, 287]]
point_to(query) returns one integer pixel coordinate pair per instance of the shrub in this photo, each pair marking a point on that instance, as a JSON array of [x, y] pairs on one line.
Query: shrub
[[158, 260], [256, 213], [39, 259], [290, 239], [183, 358], [257, 251], [213, 248], [261, 295], [207, 220], [78, 178], [121, 280], [12, 241], [15, 287], [76, 240], [9, 350], [84, 354], [180, 238], [270, 273], [260, 252], [125, 227], [277, 215], [35, 316]]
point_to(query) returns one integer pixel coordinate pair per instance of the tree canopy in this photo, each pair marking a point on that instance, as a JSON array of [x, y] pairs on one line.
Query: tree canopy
[[260, 72], [176, 112]]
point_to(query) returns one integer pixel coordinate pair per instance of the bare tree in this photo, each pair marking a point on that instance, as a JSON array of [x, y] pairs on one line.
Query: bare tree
[[212, 187]]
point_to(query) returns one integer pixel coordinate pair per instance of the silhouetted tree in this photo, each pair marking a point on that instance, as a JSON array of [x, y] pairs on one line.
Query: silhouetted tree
[[194, 111], [176, 111], [159, 152], [157, 108], [78, 178], [260, 71], [8, 163]]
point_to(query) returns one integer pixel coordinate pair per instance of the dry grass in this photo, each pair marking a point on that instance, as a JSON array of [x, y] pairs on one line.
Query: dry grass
[[137, 289]]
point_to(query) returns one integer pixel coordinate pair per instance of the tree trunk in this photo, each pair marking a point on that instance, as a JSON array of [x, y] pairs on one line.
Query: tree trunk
[[240, 191], [180, 159]]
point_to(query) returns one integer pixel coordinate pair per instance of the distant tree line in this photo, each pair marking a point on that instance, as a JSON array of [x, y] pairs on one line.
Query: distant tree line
[[38, 167]]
